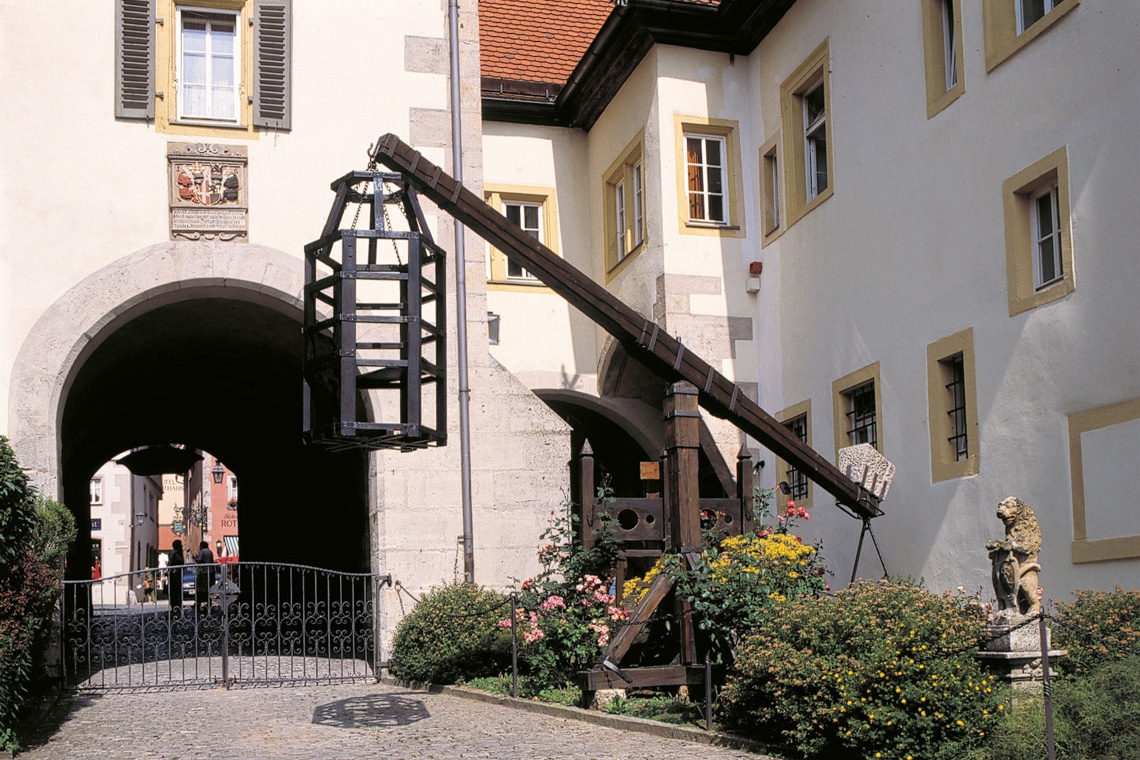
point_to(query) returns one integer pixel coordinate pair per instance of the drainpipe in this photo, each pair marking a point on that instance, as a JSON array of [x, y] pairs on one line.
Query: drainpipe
[[461, 299]]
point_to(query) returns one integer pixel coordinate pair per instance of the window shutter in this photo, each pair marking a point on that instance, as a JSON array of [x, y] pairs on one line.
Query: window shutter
[[134, 59], [272, 59]]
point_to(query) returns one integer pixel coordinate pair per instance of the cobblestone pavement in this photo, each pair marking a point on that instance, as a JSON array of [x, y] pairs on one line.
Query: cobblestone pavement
[[343, 721]]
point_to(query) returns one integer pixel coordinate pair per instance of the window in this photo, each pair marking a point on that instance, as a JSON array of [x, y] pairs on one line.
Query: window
[[704, 167], [1029, 12], [770, 188], [1039, 243], [797, 419], [208, 56], [858, 409], [625, 205], [1047, 266], [231, 488], [952, 398], [943, 45], [532, 209], [815, 140], [805, 106], [1012, 24], [529, 217], [220, 65], [96, 490], [861, 415], [709, 186]]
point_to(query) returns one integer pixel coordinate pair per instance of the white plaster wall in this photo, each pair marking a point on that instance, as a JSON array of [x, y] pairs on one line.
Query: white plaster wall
[[911, 248], [542, 340], [83, 231], [81, 189]]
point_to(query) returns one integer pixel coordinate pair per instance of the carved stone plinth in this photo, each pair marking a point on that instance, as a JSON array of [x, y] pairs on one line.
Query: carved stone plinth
[[1015, 654]]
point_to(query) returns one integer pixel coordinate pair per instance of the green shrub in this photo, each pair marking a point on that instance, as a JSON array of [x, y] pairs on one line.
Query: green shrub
[[1095, 715], [1102, 711], [452, 634], [880, 670], [1097, 627], [34, 537]]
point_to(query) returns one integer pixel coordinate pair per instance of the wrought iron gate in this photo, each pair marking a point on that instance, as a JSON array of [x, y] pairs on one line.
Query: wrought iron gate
[[238, 622]]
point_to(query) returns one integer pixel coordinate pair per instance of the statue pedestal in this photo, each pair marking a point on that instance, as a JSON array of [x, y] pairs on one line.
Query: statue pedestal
[[1015, 655]]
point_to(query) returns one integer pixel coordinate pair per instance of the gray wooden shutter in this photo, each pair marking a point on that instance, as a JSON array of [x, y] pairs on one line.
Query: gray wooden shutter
[[134, 59], [272, 59]]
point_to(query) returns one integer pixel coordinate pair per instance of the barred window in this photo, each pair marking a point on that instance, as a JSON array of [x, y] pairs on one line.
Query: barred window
[[861, 415]]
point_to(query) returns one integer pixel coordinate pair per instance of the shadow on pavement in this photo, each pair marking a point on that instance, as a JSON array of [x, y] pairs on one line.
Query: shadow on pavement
[[371, 710]]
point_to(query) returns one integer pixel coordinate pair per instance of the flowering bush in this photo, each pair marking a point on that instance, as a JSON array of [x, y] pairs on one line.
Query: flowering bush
[[1097, 627], [566, 632], [882, 670], [739, 578], [567, 612]]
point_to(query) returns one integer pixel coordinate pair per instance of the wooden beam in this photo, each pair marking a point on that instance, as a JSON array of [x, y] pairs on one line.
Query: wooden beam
[[665, 675], [623, 640], [642, 338]]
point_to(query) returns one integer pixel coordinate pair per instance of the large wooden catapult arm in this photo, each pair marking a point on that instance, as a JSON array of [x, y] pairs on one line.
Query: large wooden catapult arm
[[642, 338]]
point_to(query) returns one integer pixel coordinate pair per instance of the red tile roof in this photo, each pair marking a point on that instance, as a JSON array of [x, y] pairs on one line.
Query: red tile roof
[[537, 40]]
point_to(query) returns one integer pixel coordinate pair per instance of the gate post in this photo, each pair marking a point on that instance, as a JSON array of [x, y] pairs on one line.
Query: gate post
[[222, 578]]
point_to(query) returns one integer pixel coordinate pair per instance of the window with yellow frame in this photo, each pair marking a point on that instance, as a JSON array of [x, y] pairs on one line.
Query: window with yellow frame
[[1012, 24], [1038, 234], [952, 397], [625, 222], [204, 67], [710, 189], [942, 43], [534, 209], [808, 133]]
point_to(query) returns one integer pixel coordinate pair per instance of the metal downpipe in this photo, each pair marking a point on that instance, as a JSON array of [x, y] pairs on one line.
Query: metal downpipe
[[461, 298]]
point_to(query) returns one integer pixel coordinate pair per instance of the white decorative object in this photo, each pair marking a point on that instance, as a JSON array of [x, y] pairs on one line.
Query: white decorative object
[[867, 467]]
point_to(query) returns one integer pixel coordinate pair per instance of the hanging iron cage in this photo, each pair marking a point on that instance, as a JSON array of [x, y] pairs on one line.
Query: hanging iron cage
[[375, 351]]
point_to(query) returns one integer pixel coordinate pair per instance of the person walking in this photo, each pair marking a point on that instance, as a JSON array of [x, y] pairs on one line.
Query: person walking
[[204, 577], [174, 575]]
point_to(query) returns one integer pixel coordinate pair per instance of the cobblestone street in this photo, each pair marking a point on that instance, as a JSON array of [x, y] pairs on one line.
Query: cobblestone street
[[356, 720]]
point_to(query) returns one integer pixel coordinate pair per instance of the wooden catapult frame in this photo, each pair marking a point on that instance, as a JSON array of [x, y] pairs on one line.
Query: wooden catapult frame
[[693, 383]]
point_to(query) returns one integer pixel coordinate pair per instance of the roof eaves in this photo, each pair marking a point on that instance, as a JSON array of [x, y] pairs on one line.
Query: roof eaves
[[630, 31]]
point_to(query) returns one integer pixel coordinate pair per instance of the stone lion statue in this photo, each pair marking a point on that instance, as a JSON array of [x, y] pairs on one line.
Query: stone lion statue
[[1015, 565]]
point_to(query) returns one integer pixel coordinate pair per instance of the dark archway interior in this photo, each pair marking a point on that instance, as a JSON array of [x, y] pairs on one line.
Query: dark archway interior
[[224, 376], [617, 455]]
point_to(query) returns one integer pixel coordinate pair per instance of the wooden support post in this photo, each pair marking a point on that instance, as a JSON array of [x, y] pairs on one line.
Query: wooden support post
[[682, 460], [683, 499], [744, 477], [586, 490]]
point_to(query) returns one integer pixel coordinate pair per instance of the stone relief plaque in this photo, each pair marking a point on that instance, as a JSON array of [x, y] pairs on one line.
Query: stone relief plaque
[[207, 189]]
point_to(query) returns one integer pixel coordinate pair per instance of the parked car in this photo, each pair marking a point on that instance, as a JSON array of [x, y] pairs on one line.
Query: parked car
[[189, 576]]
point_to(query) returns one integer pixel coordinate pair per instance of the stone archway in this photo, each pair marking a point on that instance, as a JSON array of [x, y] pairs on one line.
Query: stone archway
[[195, 343]]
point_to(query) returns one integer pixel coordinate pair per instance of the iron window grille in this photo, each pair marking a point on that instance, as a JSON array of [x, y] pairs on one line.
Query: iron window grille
[[797, 480], [861, 415], [957, 389]]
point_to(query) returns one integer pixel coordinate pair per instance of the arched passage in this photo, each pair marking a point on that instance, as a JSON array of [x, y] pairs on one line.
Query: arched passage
[[623, 432], [193, 343]]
